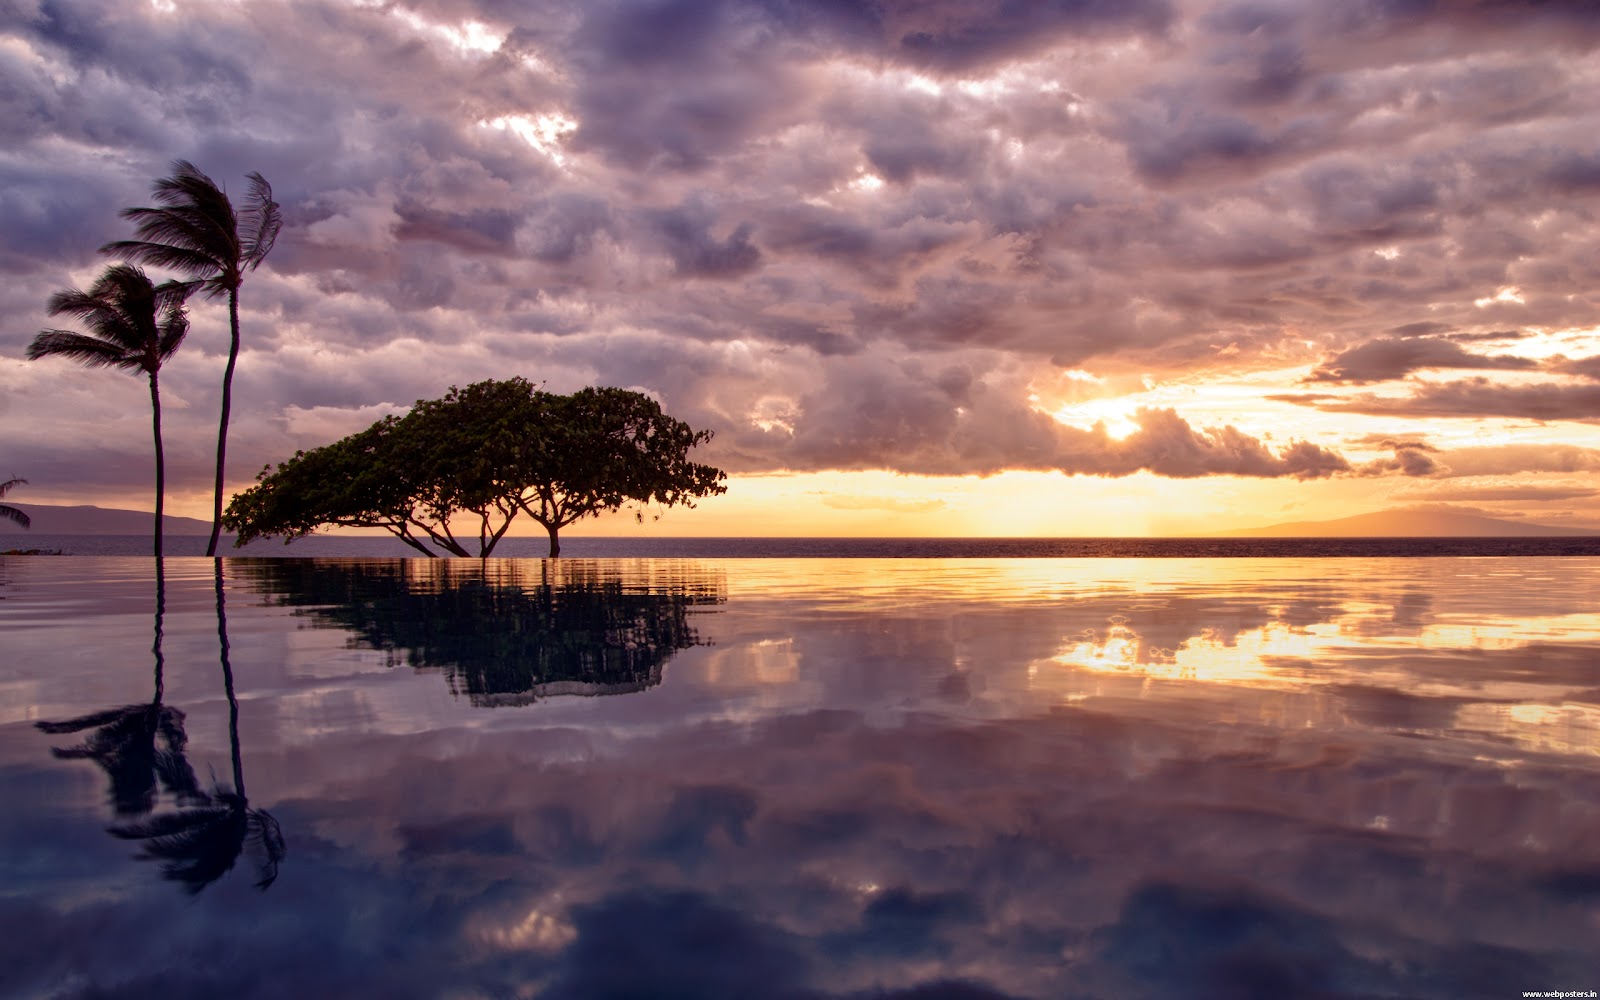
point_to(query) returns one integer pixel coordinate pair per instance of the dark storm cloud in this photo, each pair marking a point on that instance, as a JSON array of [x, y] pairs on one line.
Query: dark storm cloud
[[956, 37], [696, 253], [745, 193], [481, 232], [1392, 358]]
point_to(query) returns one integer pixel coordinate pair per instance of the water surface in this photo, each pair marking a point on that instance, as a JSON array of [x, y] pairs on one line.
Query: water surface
[[799, 778]]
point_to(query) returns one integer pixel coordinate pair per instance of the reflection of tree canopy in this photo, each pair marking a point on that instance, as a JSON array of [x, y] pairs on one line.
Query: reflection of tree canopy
[[505, 633]]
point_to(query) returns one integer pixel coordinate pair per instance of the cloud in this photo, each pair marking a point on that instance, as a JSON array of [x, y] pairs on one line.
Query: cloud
[[719, 200], [1476, 397], [1392, 358], [892, 505], [1501, 494], [872, 413], [1491, 460], [1586, 367], [1408, 459]]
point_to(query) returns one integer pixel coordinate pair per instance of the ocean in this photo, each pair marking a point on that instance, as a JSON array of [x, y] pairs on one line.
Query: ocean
[[830, 779], [579, 547]]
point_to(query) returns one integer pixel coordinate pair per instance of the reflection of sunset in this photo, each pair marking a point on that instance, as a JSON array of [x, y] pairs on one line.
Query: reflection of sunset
[[1348, 649]]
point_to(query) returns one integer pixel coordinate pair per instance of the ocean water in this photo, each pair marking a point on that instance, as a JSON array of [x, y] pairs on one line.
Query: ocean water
[[799, 778], [347, 546]]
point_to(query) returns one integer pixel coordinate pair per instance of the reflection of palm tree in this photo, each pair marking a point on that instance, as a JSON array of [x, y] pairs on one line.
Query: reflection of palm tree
[[8, 512], [196, 232], [133, 325], [200, 842], [124, 741]]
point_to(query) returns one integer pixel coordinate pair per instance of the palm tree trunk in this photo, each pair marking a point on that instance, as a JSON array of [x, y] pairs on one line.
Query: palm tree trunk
[[161, 462], [222, 428]]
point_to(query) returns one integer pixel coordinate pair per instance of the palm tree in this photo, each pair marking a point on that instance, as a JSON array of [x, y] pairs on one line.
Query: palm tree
[[8, 512], [134, 326], [196, 233]]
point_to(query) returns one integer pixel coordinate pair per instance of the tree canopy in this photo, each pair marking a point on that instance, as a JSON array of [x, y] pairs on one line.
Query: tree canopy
[[480, 456]]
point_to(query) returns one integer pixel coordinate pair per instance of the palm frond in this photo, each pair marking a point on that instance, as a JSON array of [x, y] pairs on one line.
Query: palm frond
[[86, 350], [259, 223], [10, 513], [194, 231], [197, 263], [133, 325], [190, 187], [189, 226], [173, 322], [75, 302]]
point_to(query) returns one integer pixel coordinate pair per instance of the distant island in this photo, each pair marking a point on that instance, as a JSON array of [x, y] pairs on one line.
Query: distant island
[[88, 520], [1409, 524]]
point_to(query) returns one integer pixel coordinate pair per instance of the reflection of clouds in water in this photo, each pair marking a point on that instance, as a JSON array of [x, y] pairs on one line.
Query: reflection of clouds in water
[[1032, 857], [849, 801], [1501, 679]]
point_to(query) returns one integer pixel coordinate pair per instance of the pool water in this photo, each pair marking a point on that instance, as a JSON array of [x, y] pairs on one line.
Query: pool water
[[818, 778]]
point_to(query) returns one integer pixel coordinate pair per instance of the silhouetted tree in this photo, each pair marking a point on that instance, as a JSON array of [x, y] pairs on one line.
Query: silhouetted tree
[[492, 450], [10, 513], [133, 326], [196, 232]]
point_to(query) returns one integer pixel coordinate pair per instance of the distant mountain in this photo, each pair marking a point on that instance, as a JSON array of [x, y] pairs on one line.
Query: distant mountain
[[86, 520], [1408, 524]]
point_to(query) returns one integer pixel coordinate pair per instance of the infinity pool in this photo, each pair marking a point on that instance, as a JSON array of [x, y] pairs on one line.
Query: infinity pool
[[799, 778]]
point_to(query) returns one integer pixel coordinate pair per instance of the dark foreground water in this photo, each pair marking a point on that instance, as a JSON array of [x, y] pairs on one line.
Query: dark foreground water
[[799, 778]]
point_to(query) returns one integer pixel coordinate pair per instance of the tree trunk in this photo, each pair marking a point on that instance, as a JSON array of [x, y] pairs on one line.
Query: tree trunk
[[161, 465], [222, 428], [555, 540]]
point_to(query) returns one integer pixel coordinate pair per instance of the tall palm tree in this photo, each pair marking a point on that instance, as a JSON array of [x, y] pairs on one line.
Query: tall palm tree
[[133, 326], [196, 233], [8, 512]]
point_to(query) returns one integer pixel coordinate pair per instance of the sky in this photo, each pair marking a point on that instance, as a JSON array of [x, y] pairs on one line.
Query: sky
[[924, 267]]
